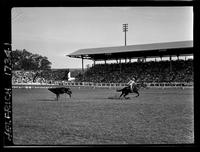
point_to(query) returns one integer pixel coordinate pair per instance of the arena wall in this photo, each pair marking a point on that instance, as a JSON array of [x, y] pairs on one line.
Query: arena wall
[[104, 85]]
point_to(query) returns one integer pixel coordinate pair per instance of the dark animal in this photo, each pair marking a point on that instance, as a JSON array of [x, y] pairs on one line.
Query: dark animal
[[126, 90], [60, 90]]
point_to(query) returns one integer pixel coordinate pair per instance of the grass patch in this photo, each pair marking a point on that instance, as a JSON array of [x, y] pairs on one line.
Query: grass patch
[[89, 117]]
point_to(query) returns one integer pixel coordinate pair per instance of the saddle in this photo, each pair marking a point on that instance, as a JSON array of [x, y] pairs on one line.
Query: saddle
[[134, 88]]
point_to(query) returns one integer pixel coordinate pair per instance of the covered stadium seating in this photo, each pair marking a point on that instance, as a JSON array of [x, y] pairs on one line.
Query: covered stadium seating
[[182, 71]]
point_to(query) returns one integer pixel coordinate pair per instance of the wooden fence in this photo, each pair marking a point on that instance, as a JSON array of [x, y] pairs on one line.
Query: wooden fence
[[102, 85]]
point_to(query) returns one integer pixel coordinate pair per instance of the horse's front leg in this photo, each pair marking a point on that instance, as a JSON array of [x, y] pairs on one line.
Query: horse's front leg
[[126, 95], [121, 95]]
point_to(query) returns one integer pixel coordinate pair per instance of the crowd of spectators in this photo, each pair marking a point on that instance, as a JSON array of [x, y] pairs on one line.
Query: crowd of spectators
[[179, 71], [40, 76], [27, 77]]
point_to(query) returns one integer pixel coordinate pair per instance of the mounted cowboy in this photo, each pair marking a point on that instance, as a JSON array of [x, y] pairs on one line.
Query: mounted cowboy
[[132, 87], [132, 83]]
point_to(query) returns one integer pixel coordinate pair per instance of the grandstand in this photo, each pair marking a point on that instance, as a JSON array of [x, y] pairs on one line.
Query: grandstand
[[148, 72], [163, 71]]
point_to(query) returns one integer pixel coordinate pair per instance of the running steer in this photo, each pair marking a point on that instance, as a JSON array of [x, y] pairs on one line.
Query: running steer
[[60, 90]]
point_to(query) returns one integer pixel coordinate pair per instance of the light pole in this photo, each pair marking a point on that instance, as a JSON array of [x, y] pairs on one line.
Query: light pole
[[125, 29]]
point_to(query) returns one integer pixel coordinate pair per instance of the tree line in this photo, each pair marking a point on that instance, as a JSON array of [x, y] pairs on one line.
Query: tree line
[[25, 60]]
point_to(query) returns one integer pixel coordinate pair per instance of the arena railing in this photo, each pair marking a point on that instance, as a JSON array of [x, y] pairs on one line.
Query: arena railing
[[102, 85], [149, 85]]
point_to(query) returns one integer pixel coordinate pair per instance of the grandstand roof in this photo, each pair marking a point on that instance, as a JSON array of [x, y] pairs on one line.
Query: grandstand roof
[[134, 51]]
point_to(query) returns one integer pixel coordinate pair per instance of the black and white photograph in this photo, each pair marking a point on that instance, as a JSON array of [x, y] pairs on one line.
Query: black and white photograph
[[120, 75]]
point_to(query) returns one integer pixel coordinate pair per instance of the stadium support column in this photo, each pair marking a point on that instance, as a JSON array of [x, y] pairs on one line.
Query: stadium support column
[[177, 56], [170, 62], [117, 61], [144, 59], [120, 68], [82, 64]]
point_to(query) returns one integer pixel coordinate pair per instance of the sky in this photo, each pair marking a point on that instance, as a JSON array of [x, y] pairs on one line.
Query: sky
[[55, 32]]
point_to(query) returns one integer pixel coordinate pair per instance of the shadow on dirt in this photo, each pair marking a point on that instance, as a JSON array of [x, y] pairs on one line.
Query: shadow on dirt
[[46, 100]]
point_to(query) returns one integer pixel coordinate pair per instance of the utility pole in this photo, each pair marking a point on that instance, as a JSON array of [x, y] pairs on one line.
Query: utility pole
[[125, 29]]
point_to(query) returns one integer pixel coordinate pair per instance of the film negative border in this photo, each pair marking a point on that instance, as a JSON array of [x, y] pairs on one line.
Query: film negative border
[[7, 95]]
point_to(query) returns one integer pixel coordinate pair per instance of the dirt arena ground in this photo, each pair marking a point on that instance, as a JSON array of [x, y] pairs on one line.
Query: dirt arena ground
[[98, 116]]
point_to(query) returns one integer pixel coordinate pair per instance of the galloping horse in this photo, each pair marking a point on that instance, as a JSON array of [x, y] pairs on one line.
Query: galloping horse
[[126, 90], [60, 90]]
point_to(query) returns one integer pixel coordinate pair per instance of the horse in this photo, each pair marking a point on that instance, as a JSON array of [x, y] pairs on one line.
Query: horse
[[60, 90], [126, 90]]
